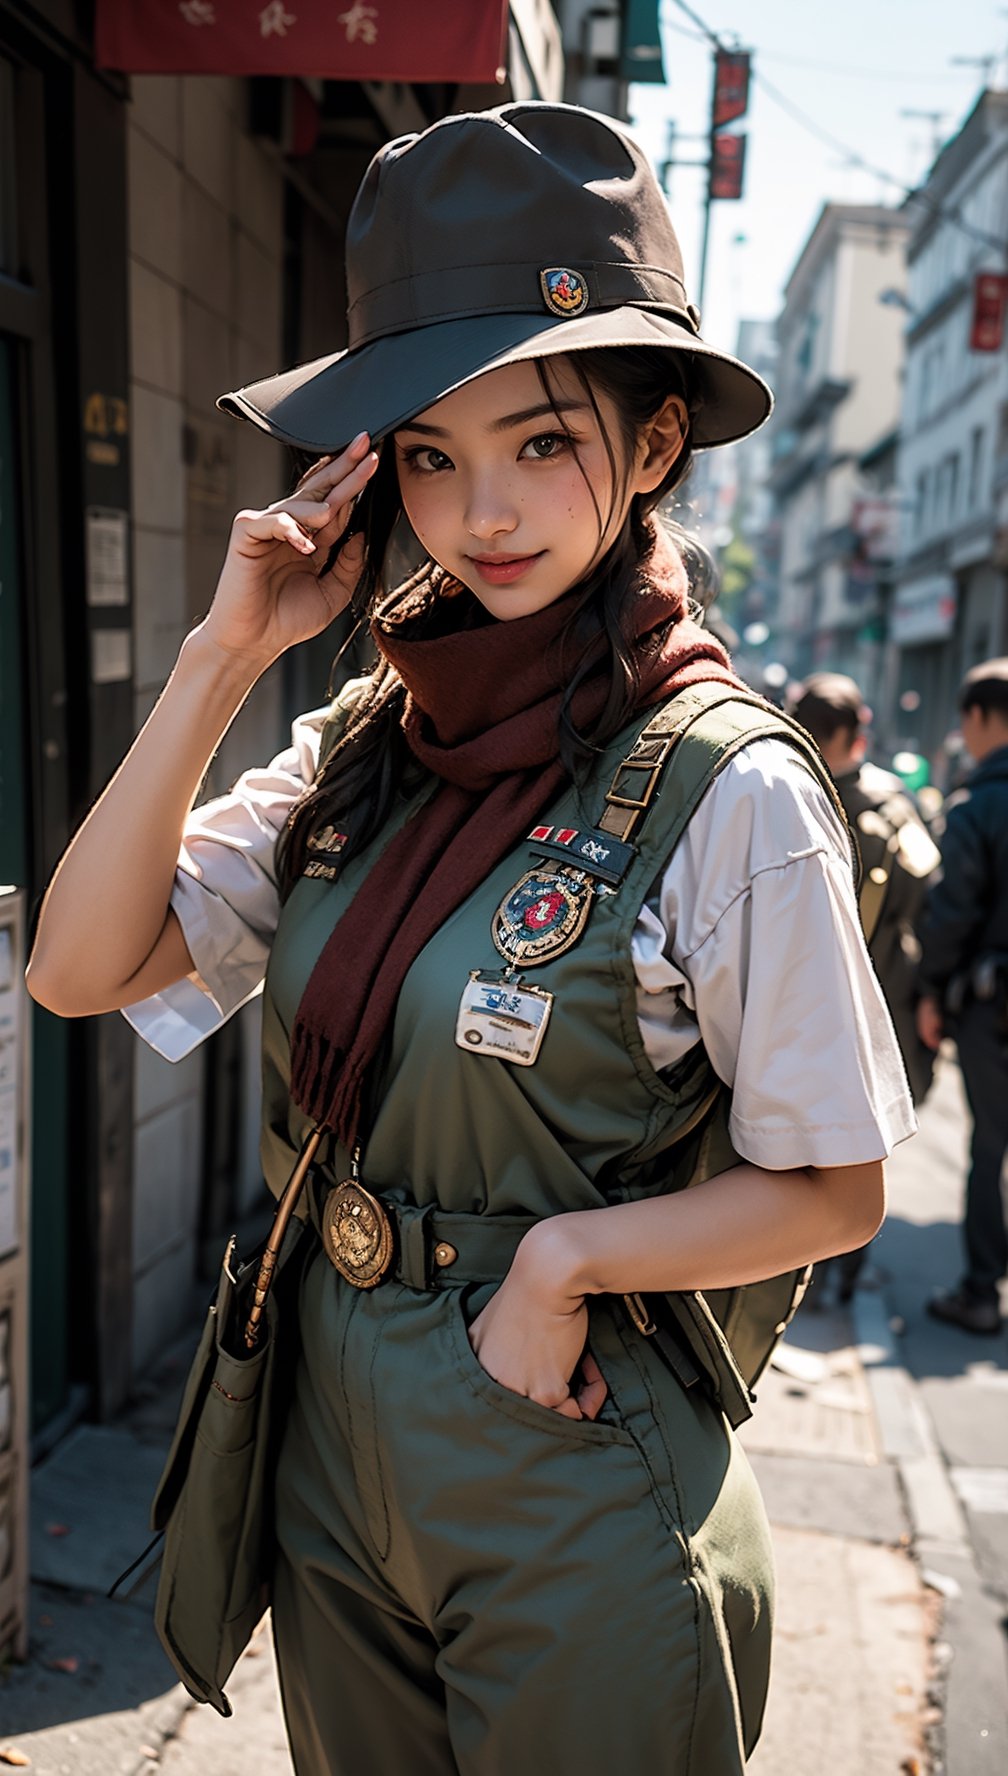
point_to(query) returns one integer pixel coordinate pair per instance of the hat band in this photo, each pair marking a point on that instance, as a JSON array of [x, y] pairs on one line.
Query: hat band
[[446, 295]]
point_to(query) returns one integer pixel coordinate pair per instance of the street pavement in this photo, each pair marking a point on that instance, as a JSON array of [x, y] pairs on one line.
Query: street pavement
[[881, 1443]]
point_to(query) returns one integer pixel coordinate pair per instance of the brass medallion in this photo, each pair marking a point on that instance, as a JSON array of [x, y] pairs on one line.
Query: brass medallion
[[357, 1234]]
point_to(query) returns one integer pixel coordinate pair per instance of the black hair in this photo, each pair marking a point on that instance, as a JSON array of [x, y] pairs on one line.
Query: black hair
[[985, 687], [826, 703], [359, 781]]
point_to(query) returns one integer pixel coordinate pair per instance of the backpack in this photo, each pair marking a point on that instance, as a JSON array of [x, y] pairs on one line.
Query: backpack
[[722, 1339]]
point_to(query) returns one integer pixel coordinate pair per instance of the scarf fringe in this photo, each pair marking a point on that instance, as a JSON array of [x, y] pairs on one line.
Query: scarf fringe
[[323, 1086]]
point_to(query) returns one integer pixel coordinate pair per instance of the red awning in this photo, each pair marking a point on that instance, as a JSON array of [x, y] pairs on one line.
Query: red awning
[[411, 40]]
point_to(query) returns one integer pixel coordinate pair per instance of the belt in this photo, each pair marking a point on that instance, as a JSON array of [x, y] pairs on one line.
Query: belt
[[371, 1239]]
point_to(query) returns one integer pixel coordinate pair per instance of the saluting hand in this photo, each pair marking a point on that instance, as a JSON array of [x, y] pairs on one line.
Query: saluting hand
[[272, 591]]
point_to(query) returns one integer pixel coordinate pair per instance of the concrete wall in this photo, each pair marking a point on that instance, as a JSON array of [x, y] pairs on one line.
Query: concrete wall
[[872, 345], [953, 447], [206, 239]]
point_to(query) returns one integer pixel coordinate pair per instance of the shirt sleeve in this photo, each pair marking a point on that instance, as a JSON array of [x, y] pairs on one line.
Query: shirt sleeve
[[753, 937], [226, 897]]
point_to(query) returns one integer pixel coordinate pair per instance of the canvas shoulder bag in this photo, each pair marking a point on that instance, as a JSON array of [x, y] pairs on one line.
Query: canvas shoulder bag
[[214, 1499]]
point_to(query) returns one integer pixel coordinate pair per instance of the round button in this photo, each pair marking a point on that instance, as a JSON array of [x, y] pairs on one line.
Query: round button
[[444, 1254]]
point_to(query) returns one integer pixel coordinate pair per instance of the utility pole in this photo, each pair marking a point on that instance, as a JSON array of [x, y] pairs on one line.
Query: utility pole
[[725, 150], [935, 119], [986, 64]]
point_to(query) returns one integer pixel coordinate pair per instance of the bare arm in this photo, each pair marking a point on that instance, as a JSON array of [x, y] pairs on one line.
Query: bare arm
[[106, 935], [746, 1224]]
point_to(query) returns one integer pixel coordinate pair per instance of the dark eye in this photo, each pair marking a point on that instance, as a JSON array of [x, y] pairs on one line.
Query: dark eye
[[428, 460], [546, 445]]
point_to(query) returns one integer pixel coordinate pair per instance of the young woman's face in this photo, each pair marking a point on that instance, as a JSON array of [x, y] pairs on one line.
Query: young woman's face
[[496, 494]]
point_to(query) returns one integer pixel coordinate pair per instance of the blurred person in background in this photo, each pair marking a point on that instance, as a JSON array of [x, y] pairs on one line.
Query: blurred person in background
[[899, 861], [964, 985]]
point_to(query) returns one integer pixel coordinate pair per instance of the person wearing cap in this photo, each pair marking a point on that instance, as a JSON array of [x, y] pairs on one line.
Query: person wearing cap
[[509, 1535], [964, 987]]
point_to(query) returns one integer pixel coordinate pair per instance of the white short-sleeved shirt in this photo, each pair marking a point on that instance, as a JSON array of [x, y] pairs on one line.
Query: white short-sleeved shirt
[[750, 942]]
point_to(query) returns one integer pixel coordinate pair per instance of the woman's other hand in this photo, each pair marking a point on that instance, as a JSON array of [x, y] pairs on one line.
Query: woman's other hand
[[535, 1345], [272, 591]]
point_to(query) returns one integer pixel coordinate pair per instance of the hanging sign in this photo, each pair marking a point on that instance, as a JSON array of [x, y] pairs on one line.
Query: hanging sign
[[456, 40], [990, 298], [727, 166], [731, 86]]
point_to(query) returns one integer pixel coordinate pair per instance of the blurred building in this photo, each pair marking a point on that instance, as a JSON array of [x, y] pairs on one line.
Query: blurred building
[[606, 45], [163, 237], [950, 603], [838, 400], [739, 523]]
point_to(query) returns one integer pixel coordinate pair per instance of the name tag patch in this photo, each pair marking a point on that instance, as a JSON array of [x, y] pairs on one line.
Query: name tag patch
[[590, 849], [502, 1018]]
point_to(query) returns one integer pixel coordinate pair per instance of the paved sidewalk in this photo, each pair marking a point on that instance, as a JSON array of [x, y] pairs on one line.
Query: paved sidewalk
[[854, 1622]]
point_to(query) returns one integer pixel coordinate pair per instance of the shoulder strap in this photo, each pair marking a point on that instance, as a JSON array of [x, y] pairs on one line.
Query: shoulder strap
[[725, 1337], [717, 721]]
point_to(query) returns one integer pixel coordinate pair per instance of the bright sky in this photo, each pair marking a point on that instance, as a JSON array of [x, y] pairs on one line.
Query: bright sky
[[853, 69]]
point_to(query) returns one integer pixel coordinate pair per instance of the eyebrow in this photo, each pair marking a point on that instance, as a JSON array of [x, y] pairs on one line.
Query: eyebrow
[[507, 421]]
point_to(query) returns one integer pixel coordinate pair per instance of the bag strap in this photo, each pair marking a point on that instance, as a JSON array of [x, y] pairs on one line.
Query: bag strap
[[268, 1262]]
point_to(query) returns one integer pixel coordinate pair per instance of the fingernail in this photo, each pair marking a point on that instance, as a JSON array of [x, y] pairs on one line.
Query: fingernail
[[359, 440]]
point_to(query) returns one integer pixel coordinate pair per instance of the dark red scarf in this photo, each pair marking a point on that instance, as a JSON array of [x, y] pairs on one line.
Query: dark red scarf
[[481, 713]]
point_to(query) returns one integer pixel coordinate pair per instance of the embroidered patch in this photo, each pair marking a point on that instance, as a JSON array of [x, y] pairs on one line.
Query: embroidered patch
[[328, 841], [564, 291], [542, 915]]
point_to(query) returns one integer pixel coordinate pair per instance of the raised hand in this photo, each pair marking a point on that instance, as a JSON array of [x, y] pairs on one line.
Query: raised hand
[[272, 591]]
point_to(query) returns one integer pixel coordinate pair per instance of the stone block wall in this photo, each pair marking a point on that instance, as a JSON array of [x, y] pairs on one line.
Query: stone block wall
[[206, 267]]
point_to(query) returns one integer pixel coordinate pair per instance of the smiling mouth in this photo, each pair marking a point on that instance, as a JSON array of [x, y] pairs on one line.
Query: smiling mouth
[[500, 569]]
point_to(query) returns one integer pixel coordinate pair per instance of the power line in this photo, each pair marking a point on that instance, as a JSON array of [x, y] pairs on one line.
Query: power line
[[848, 154], [854, 159], [780, 55], [694, 17]]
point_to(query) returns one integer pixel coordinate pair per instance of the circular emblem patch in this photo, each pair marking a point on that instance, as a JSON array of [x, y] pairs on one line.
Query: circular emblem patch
[[542, 916], [564, 291], [357, 1235]]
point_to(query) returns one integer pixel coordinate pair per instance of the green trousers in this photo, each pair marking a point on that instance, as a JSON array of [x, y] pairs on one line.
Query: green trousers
[[470, 1585]]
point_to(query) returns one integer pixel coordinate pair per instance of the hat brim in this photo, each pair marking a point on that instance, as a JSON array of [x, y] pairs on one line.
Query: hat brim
[[320, 406]]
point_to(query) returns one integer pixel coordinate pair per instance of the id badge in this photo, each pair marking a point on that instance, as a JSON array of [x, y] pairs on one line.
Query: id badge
[[503, 1018]]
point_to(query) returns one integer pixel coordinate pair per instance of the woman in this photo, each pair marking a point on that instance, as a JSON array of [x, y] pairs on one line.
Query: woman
[[509, 1537]]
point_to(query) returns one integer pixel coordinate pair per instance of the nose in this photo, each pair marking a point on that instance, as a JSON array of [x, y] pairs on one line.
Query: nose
[[490, 511]]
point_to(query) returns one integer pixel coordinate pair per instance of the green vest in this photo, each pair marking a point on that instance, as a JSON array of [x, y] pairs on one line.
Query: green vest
[[591, 1122]]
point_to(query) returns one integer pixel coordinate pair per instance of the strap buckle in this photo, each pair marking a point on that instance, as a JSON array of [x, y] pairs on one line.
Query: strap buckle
[[648, 756]]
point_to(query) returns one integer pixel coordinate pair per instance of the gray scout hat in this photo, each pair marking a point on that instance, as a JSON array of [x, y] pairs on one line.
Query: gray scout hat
[[489, 238]]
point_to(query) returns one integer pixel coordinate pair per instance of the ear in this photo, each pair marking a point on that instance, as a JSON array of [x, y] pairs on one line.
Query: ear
[[662, 444]]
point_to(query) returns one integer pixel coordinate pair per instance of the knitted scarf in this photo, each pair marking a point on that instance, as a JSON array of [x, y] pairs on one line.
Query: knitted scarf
[[482, 713]]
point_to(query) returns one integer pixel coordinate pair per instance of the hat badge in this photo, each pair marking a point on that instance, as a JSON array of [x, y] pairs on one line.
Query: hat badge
[[564, 291]]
